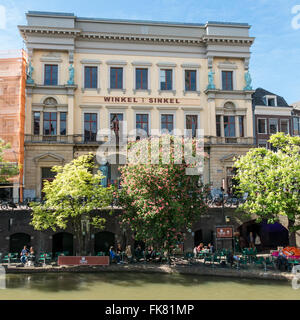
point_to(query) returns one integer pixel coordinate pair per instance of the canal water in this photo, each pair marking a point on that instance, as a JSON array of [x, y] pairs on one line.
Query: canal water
[[138, 286]]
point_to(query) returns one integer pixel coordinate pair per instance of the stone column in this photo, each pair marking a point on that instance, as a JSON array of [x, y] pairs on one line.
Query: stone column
[[237, 127]]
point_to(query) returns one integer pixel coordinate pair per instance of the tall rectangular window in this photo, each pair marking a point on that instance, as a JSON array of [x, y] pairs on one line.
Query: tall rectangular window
[[36, 123], [192, 124], [51, 74], [296, 126], [227, 80], [141, 78], [190, 80], [166, 79], [90, 126], [50, 123], [167, 122], [116, 78], [90, 77], [229, 126], [273, 126], [218, 126], [241, 126], [284, 126], [262, 125], [63, 123], [142, 122]]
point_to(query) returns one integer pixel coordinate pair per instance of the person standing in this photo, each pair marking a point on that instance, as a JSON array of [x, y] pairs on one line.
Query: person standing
[[257, 242], [251, 240]]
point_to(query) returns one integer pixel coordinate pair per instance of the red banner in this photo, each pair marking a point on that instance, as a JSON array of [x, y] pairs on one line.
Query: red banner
[[224, 232], [83, 260]]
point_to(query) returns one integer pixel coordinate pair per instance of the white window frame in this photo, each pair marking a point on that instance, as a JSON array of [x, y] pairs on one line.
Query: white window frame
[[58, 72], [136, 112], [90, 110], [266, 129], [190, 113], [134, 78], [116, 64], [162, 112], [173, 79], [270, 124], [288, 125], [298, 123], [267, 97], [192, 67], [234, 85], [92, 64]]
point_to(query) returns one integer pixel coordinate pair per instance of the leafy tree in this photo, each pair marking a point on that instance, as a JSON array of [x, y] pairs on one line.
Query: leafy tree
[[160, 201], [272, 181], [7, 170], [71, 199]]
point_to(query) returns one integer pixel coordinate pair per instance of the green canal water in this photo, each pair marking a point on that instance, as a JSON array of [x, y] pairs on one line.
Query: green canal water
[[139, 286]]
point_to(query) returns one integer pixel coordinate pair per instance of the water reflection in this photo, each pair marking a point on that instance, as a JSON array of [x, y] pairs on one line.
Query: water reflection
[[125, 285]]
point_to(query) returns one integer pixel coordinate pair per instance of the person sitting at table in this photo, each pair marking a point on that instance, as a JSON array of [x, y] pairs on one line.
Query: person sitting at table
[[24, 255], [200, 247], [119, 249], [210, 247], [113, 255], [31, 256], [138, 252], [153, 253], [128, 253], [149, 253], [282, 261]]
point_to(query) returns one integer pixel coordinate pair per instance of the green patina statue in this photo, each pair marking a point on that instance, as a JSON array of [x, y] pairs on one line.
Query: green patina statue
[[211, 84], [248, 81], [29, 72], [71, 75]]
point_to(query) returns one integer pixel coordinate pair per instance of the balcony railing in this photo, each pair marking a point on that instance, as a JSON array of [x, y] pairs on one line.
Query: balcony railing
[[81, 139], [229, 140], [69, 139]]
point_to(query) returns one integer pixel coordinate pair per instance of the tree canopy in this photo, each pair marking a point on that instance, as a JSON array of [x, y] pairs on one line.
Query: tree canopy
[[272, 180], [71, 198], [160, 201]]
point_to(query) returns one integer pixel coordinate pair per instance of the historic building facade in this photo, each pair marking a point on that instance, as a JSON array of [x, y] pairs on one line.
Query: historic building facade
[[87, 75], [12, 117], [272, 114]]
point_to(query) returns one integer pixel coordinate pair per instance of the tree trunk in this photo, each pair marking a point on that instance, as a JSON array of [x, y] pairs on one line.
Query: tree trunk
[[292, 233]]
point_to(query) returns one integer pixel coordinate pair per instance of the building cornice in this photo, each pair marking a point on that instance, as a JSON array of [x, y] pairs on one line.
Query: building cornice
[[24, 30], [79, 34]]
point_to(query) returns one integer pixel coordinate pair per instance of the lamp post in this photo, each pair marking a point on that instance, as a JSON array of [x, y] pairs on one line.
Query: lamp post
[[222, 189]]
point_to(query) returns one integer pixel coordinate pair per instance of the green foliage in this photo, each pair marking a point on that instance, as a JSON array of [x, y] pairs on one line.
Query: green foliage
[[160, 201], [272, 180], [71, 197], [7, 170]]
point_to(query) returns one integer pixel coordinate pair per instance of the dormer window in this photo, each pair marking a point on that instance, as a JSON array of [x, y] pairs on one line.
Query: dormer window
[[271, 101]]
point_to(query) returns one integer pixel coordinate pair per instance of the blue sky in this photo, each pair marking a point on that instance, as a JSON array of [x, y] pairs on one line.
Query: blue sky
[[275, 61]]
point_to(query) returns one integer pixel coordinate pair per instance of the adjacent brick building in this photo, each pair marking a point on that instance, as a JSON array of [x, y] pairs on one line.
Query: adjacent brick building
[[12, 116]]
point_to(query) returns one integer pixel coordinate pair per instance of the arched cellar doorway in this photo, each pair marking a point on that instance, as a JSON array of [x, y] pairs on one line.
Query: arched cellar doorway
[[62, 242], [17, 241], [198, 238], [103, 241], [271, 235]]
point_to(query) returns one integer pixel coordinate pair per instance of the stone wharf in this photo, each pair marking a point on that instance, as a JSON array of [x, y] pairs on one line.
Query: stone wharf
[[141, 100]]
